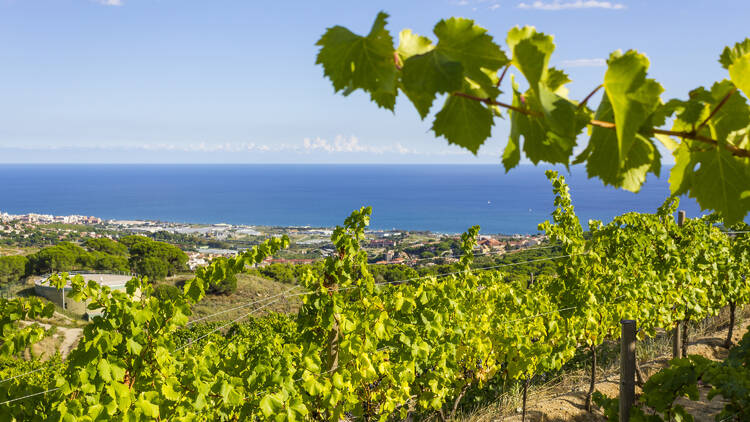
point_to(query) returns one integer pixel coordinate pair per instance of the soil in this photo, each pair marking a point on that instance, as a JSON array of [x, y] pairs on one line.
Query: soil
[[63, 339], [569, 406]]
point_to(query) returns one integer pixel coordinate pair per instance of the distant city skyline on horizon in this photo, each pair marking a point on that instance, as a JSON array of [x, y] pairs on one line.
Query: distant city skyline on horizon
[[138, 81]]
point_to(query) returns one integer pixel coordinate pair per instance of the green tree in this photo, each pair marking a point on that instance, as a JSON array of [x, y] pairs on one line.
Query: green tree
[[12, 268], [106, 245], [152, 267], [132, 239], [53, 258], [143, 248], [111, 263]]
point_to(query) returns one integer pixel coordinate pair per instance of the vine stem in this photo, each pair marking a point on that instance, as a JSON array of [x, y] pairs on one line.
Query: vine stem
[[490, 101], [718, 106], [736, 151], [397, 60], [585, 100], [502, 75]]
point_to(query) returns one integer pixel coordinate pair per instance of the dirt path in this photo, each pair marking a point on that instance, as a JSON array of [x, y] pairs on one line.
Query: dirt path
[[549, 405], [70, 339], [64, 339]]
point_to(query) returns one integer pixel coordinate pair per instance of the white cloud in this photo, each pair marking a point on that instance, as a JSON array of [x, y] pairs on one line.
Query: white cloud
[[583, 63], [110, 2], [493, 4], [351, 145], [578, 4], [340, 144]]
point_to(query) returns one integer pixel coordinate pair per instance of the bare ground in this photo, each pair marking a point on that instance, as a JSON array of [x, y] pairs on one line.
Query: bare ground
[[564, 401], [61, 339]]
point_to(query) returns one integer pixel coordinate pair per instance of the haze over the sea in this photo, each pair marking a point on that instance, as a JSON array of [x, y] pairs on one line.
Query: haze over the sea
[[440, 198]]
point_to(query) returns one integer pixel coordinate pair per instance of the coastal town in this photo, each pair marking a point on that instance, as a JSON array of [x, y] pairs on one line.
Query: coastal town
[[203, 242]]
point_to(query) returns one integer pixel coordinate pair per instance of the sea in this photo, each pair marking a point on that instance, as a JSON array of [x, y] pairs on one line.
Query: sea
[[437, 198]]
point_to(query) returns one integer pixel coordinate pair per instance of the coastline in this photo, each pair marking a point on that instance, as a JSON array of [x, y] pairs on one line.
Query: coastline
[[424, 197]]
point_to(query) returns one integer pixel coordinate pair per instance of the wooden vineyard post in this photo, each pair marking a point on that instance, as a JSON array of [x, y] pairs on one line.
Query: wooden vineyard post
[[678, 328], [525, 391], [627, 368], [526, 381], [677, 341]]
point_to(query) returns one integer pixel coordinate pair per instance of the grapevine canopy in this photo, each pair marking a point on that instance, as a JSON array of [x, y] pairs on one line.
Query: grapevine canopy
[[708, 137]]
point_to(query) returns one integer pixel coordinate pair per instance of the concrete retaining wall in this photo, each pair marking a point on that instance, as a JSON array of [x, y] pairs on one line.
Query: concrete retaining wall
[[61, 299]]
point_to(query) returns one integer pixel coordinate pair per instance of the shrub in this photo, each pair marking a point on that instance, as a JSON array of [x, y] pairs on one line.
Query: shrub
[[167, 292]]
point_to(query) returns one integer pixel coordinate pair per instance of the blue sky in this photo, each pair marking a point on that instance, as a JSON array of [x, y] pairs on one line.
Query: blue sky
[[198, 81]]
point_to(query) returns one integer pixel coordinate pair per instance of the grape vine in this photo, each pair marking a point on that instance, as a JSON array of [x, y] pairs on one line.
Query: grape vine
[[367, 350], [468, 67]]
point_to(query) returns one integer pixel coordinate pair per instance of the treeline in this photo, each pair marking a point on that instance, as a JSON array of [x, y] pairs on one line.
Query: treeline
[[518, 265], [189, 241], [433, 249], [154, 259], [193, 242], [36, 238], [47, 234], [137, 254], [12, 267]]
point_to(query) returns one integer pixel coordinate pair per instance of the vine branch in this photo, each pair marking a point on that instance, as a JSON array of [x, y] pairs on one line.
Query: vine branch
[[502, 75], [490, 101], [585, 100], [718, 106], [736, 151]]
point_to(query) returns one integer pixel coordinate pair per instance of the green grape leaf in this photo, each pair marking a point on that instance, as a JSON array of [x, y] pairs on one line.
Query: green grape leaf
[[690, 113], [133, 346], [563, 117], [729, 55], [269, 404], [603, 160], [426, 75], [354, 62], [553, 122], [531, 53], [411, 44], [464, 122], [739, 72], [550, 134], [299, 407], [512, 152], [167, 389], [556, 80], [470, 44], [104, 370], [632, 96], [714, 177], [149, 409], [733, 115], [463, 50]]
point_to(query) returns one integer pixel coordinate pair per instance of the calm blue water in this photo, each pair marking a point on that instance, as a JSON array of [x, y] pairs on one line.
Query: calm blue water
[[441, 198]]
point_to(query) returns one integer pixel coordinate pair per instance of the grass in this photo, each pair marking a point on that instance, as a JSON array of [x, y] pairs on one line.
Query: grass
[[249, 289], [18, 250]]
